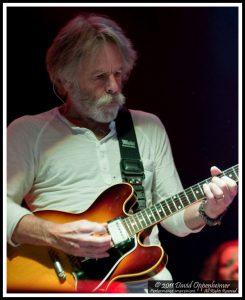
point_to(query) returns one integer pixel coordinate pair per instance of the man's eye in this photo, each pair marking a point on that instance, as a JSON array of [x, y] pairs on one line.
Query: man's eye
[[100, 76], [118, 74]]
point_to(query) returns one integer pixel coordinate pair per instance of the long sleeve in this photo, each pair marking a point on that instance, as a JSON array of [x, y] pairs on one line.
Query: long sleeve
[[20, 171], [155, 149]]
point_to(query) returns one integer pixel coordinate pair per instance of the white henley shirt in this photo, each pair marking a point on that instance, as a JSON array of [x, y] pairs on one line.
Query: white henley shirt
[[55, 165]]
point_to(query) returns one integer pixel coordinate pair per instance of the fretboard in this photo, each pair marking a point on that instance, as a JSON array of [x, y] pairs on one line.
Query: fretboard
[[164, 209]]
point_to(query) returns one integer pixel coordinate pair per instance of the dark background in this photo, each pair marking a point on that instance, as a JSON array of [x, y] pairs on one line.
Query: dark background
[[187, 74]]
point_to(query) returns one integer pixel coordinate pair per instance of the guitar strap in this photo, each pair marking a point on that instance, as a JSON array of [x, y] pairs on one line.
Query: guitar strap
[[132, 169]]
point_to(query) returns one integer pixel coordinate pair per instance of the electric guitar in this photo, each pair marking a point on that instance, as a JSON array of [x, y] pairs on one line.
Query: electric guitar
[[41, 269]]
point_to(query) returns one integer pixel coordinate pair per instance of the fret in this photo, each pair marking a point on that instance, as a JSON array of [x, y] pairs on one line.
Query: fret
[[147, 219], [131, 225], [124, 221], [187, 198], [142, 220], [151, 216], [135, 225], [231, 174], [156, 214], [190, 195], [166, 209], [183, 199], [176, 208], [137, 221], [194, 193], [144, 216], [178, 202], [171, 206], [200, 184], [198, 191], [235, 168], [160, 211], [132, 232]]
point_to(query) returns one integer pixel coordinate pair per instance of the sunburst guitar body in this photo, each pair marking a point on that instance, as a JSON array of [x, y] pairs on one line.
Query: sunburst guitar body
[[31, 268]]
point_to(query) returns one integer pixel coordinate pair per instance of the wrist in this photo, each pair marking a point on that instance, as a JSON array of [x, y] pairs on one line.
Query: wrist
[[206, 218], [51, 233]]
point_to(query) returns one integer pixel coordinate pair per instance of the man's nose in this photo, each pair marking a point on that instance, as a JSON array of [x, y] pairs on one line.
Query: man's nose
[[112, 85]]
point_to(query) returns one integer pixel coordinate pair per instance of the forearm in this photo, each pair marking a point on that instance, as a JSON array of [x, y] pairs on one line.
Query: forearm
[[32, 230]]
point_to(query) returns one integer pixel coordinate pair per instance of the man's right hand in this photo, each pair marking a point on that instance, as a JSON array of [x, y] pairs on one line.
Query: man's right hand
[[80, 238]]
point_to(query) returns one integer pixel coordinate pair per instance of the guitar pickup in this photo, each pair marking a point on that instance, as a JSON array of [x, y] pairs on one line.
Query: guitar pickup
[[117, 231]]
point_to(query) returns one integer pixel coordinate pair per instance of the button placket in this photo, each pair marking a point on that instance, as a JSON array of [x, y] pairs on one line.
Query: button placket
[[103, 162]]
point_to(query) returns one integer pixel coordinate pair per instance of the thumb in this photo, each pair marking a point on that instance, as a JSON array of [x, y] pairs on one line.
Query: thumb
[[101, 228]]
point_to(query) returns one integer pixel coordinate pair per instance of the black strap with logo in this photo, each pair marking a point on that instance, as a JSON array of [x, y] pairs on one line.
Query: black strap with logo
[[131, 165]]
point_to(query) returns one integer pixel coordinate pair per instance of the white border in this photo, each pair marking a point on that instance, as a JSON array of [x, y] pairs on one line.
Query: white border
[[4, 147], [5, 5], [240, 197], [121, 4]]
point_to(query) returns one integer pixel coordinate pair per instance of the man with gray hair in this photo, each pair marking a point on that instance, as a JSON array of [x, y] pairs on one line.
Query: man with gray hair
[[63, 159]]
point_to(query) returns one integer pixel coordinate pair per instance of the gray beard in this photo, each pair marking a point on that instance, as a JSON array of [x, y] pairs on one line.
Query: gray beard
[[96, 109]]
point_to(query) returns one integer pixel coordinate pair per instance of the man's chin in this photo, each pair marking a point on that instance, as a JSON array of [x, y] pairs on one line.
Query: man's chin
[[106, 116]]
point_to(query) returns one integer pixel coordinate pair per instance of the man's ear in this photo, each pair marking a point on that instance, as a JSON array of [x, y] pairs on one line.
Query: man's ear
[[63, 87]]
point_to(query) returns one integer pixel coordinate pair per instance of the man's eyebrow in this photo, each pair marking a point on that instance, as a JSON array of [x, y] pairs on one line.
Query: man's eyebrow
[[95, 72], [99, 71]]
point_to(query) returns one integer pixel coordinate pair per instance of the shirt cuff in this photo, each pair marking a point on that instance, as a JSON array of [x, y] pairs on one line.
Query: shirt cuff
[[176, 225]]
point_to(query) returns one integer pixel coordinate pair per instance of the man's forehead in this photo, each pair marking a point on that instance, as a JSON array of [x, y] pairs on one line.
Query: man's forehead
[[106, 70], [106, 58]]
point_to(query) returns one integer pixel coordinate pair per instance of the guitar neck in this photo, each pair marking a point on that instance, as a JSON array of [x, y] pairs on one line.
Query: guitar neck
[[164, 209]]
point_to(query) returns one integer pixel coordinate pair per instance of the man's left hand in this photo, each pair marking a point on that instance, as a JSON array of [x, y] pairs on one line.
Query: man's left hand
[[220, 193]]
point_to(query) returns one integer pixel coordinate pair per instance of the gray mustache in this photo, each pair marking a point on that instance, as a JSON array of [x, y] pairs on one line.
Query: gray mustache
[[107, 99]]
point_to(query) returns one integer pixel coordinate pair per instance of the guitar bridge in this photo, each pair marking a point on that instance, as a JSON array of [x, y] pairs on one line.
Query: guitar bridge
[[117, 231]]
